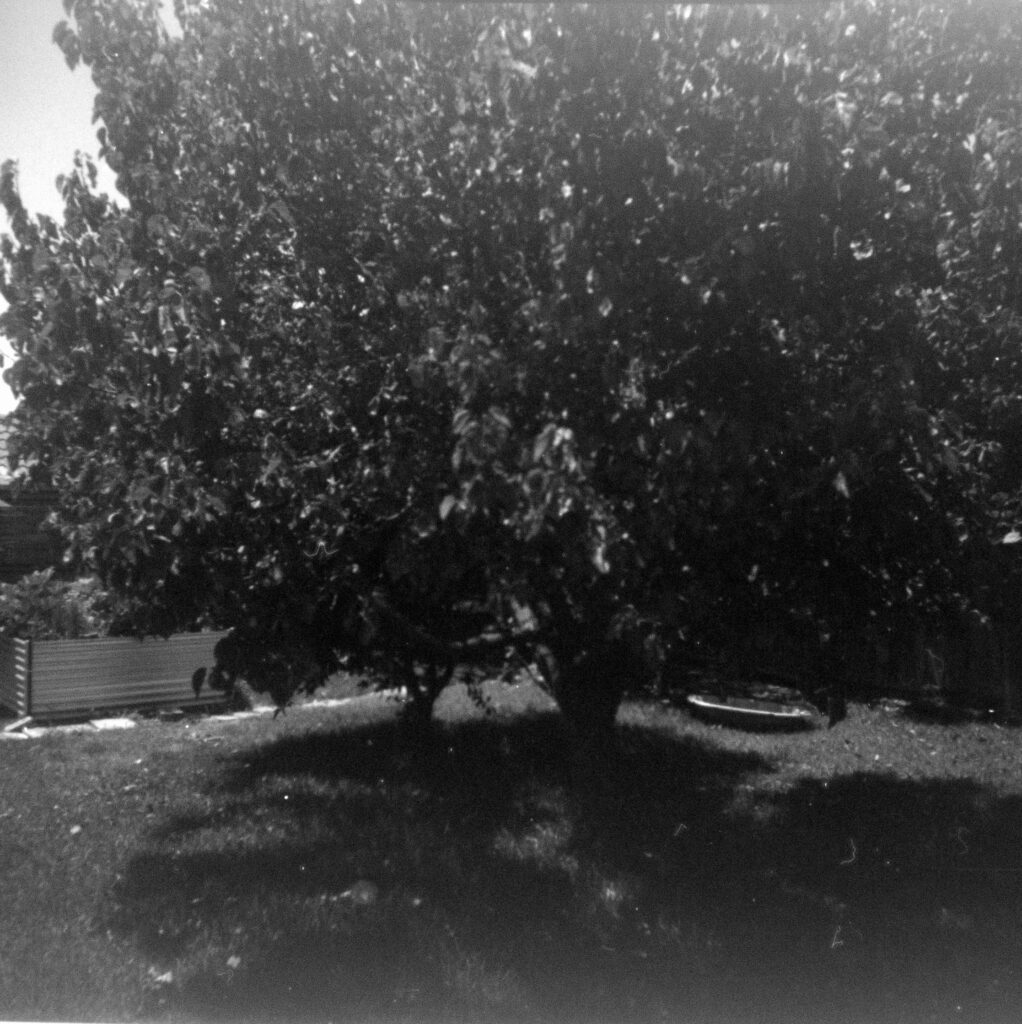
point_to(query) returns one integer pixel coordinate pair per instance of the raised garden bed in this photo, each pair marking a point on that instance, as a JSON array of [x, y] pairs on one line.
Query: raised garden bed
[[61, 679]]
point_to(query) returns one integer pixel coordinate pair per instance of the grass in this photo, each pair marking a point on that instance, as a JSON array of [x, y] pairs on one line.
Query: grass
[[317, 867]]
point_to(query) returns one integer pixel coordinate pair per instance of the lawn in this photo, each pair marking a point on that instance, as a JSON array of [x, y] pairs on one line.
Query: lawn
[[315, 867]]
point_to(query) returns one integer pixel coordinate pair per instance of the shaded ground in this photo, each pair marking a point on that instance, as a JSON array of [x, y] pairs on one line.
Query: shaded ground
[[318, 868]]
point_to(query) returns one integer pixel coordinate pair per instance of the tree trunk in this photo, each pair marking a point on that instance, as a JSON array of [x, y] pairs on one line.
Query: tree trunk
[[423, 687], [1008, 649], [833, 670], [588, 689]]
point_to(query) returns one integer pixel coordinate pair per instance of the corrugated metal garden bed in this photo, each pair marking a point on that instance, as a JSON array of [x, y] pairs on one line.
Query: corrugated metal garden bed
[[61, 679]]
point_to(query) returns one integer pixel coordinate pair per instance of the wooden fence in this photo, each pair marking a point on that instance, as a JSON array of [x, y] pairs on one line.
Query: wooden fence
[[24, 545], [964, 660]]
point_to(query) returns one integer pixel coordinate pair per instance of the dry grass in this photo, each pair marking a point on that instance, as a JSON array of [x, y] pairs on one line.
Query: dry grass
[[319, 867]]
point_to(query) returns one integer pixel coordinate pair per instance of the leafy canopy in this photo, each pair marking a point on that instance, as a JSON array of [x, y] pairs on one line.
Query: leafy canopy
[[585, 331]]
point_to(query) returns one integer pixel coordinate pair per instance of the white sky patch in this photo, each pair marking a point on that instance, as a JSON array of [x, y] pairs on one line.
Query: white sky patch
[[47, 115]]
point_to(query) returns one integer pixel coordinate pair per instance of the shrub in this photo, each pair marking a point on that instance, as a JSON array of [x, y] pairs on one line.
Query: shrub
[[40, 607]]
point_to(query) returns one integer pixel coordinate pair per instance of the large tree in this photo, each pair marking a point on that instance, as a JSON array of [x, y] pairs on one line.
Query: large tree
[[442, 332]]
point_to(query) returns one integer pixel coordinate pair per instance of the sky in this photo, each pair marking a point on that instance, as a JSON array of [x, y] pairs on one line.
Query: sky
[[45, 114]]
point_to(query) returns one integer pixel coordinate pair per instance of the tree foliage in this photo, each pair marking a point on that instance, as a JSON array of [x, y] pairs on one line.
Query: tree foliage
[[582, 332]]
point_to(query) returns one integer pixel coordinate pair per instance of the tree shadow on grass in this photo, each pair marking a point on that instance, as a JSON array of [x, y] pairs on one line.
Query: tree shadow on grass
[[352, 876]]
